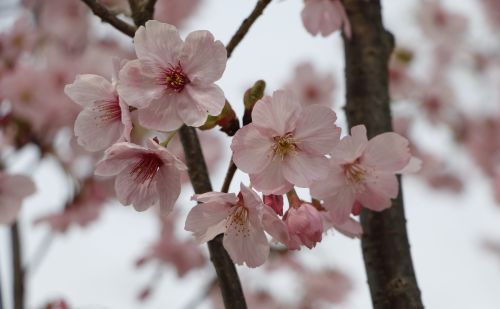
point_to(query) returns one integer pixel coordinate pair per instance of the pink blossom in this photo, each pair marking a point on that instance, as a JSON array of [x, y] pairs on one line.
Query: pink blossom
[[363, 171], [243, 220], [305, 226], [350, 228], [327, 285], [175, 12], [105, 119], [286, 144], [325, 17], [275, 202], [172, 81], [144, 175], [13, 189], [311, 87]]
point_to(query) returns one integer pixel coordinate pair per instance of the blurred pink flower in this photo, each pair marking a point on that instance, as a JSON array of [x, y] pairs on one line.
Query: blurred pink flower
[[310, 87], [144, 175], [175, 12], [326, 285], [13, 189], [305, 226], [286, 144], [243, 220], [172, 81], [325, 17], [105, 118], [363, 171]]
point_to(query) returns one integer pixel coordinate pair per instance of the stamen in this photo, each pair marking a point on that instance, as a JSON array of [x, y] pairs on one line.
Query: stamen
[[284, 145], [355, 172], [175, 78], [238, 219], [146, 168]]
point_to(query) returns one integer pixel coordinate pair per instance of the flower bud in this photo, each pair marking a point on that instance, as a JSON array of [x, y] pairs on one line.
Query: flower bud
[[305, 226]]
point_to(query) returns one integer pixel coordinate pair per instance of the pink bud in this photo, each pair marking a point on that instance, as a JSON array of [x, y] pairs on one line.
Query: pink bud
[[356, 208], [144, 294], [304, 225], [275, 202]]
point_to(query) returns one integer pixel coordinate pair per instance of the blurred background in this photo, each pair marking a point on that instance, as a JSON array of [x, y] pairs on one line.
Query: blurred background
[[445, 85]]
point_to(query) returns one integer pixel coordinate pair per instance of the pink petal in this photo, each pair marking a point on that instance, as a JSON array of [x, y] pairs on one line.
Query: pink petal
[[250, 247], [252, 152], [274, 225], [116, 158], [340, 205], [351, 147], [126, 120], [95, 134], [316, 130], [380, 188], [302, 169], [129, 191], [388, 152], [210, 98], [191, 113], [310, 16], [271, 180], [203, 59], [169, 187], [9, 209], [230, 198], [161, 114], [90, 88], [207, 220], [278, 114], [332, 184], [158, 42], [18, 186], [136, 87], [351, 228]]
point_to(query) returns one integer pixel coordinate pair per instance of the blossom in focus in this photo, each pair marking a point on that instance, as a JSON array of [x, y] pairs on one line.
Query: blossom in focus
[[172, 81], [325, 17], [243, 219], [144, 175], [305, 226], [311, 87], [275, 202], [363, 172], [13, 189], [105, 119], [286, 144]]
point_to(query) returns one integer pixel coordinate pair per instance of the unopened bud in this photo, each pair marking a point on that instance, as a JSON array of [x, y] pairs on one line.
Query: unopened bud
[[252, 95]]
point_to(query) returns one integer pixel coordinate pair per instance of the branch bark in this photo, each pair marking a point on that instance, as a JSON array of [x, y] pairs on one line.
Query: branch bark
[[17, 266], [385, 246], [108, 17]]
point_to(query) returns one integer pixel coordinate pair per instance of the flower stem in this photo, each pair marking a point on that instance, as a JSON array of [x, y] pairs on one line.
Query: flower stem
[[169, 138]]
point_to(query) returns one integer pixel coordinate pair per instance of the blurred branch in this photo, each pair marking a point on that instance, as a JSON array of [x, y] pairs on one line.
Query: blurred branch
[[40, 253], [17, 267], [245, 26], [108, 17], [231, 170], [386, 250], [142, 10]]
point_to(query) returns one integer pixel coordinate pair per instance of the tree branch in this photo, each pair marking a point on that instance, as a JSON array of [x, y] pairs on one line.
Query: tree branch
[[142, 10], [108, 17], [245, 26], [386, 250], [17, 266]]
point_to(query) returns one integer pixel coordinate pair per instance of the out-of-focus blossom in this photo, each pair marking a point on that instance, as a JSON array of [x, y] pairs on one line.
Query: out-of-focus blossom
[[172, 81], [105, 118], [243, 220], [401, 84], [286, 144], [305, 226], [175, 12], [57, 304], [14, 42], [325, 17], [325, 286], [144, 175], [13, 190], [310, 87], [492, 10], [363, 171]]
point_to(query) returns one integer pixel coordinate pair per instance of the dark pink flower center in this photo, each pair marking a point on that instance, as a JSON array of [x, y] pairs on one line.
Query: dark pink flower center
[[175, 78], [284, 145], [109, 111], [146, 168]]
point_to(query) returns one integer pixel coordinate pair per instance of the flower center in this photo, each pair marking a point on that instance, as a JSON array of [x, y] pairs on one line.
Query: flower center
[[146, 168], [355, 173], [284, 145], [109, 111], [175, 78], [238, 219]]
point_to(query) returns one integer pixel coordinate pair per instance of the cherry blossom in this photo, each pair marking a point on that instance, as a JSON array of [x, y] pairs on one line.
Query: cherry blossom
[[175, 12], [144, 175], [286, 144], [363, 172], [311, 87], [172, 81], [305, 226], [325, 17], [243, 219], [13, 189], [105, 118]]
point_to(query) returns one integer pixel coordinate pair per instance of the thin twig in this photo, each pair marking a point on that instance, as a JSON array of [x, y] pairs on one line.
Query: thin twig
[[108, 17], [40, 253], [245, 26], [231, 170], [17, 266]]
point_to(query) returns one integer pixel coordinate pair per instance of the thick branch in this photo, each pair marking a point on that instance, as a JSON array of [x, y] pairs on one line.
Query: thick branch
[[108, 17], [229, 282], [386, 250], [245, 26], [17, 267]]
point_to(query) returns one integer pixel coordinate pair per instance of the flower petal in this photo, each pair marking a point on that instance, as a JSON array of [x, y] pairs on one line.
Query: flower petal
[[316, 130], [278, 114], [116, 158], [271, 180], [161, 114], [250, 247], [340, 205], [207, 220], [210, 98], [141, 195], [136, 87], [94, 133], [90, 88], [158, 42], [302, 169], [252, 152], [351, 147], [169, 187], [388, 152]]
